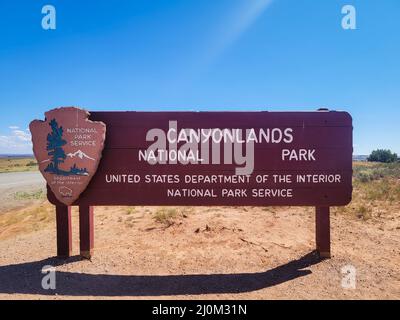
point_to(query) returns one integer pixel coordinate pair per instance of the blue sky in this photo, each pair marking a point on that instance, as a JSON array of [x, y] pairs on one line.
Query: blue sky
[[202, 55]]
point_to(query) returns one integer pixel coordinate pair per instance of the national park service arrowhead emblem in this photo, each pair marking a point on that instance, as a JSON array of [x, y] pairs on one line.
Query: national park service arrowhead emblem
[[68, 148]]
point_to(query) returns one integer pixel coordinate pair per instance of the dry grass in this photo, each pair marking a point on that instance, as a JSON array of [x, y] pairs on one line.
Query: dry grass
[[130, 210], [370, 171], [27, 220], [376, 191], [168, 216], [17, 165]]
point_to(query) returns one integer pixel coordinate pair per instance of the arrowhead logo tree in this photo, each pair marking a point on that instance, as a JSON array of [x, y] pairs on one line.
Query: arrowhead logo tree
[[55, 143]]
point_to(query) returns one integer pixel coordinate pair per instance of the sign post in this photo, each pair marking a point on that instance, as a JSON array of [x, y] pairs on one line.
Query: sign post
[[323, 231], [86, 231], [64, 231], [193, 159]]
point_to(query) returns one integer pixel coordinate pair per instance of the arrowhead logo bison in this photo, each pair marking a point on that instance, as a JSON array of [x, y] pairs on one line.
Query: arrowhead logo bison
[[68, 148]]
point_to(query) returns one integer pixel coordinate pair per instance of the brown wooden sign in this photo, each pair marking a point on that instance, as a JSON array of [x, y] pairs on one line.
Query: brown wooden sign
[[223, 158], [193, 158]]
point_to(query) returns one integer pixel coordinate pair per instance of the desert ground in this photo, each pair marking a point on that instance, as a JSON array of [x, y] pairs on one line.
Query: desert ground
[[9, 164], [210, 252]]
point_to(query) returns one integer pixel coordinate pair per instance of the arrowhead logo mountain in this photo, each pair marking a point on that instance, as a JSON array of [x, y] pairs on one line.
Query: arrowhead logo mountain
[[68, 148], [80, 154]]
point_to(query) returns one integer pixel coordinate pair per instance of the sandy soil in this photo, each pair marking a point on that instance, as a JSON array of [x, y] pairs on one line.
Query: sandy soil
[[221, 253]]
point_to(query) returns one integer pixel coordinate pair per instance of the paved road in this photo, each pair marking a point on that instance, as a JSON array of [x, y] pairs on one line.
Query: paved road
[[20, 179], [13, 182]]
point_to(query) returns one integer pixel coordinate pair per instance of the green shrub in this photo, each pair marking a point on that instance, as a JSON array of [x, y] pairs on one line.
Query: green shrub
[[21, 195], [381, 155]]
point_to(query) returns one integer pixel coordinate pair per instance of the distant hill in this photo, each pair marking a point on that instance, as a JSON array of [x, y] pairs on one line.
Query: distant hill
[[19, 156], [360, 157]]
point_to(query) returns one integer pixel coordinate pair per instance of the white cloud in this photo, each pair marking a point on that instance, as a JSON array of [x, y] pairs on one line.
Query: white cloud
[[17, 141], [22, 135]]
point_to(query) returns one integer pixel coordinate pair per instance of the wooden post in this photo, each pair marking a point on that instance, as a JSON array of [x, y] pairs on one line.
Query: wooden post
[[323, 232], [86, 231], [64, 231]]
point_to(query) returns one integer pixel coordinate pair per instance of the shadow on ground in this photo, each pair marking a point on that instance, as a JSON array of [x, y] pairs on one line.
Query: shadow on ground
[[26, 278]]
